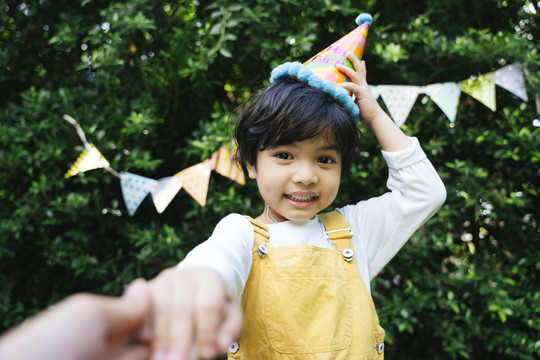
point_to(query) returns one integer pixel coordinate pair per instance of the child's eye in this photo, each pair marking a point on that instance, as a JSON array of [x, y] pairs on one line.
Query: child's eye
[[326, 160], [283, 156]]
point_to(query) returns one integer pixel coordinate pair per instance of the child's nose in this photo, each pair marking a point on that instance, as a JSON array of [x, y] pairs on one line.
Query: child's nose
[[305, 174]]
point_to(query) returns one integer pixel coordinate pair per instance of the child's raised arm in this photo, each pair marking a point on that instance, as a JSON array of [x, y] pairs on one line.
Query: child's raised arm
[[387, 132], [194, 315]]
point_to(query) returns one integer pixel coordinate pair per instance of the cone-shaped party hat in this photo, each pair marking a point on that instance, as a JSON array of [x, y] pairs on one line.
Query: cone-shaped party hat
[[320, 71]]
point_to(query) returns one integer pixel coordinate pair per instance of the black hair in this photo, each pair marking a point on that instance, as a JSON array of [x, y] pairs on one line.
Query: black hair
[[289, 111]]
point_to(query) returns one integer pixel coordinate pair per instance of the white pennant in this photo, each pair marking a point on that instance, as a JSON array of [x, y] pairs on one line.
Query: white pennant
[[134, 189], [446, 96], [165, 191], [399, 100], [511, 78]]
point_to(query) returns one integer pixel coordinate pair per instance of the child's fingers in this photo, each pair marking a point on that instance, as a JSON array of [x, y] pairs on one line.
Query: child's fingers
[[133, 352], [172, 321], [209, 314], [358, 65], [358, 73], [160, 322], [232, 326], [181, 337]]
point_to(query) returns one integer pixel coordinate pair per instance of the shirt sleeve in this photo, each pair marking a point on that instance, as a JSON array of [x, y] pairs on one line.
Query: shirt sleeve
[[228, 251], [385, 223]]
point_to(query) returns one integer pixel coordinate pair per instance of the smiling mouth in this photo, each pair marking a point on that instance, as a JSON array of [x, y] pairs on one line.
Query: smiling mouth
[[301, 198]]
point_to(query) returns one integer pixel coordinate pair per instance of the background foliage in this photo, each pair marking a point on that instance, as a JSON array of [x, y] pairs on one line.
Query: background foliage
[[153, 84]]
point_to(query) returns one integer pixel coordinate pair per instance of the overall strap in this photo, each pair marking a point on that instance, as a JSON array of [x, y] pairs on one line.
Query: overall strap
[[261, 230], [337, 229]]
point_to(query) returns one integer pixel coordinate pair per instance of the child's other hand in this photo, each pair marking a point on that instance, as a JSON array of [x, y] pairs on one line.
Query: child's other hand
[[369, 108], [194, 315]]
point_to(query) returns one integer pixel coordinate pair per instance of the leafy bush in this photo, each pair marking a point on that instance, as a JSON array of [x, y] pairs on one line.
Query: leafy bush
[[153, 85]]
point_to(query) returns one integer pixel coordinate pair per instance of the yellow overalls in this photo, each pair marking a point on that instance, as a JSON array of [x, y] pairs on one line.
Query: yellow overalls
[[306, 302]]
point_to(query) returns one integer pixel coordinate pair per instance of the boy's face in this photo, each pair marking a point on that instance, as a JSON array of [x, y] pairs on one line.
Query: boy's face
[[298, 180]]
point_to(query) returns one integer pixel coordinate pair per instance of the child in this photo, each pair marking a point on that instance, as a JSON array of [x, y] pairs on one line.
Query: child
[[303, 278]]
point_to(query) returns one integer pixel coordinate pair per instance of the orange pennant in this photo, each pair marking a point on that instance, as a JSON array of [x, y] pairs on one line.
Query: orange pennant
[[195, 180]]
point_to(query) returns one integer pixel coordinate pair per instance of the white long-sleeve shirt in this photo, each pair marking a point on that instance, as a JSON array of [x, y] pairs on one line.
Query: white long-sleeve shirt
[[381, 225]]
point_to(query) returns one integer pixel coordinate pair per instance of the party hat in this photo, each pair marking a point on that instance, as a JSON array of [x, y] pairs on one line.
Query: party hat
[[320, 71]]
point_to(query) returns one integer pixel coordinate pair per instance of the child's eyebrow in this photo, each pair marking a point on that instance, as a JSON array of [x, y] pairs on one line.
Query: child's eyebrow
[[329, 148]]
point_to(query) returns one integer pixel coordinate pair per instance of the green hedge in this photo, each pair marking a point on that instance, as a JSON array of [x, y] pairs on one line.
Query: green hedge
[[153, 84]]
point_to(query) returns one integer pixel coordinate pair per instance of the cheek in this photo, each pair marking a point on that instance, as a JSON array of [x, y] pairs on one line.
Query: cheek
[[334, 184]]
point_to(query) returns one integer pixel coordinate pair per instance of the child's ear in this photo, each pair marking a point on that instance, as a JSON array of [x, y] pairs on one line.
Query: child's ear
[[252, 171]]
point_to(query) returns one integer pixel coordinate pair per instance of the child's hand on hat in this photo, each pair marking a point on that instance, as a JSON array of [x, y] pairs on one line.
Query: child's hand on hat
[[194, 315], [387, 132], [368, 105]]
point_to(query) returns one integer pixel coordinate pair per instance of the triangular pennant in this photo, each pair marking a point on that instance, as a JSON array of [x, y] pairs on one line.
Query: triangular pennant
[[511, 78], [374, 91], [223, 162], [399, 100], [165, 190], [89, 159], [195, 180], [446, 96], [482, 89], [134, 189]]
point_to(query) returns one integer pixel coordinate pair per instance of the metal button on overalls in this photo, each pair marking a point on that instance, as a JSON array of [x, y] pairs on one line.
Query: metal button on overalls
[[233, 348]]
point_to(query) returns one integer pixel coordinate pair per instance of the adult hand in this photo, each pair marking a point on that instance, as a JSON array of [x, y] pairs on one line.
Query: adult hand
[[84, 326]]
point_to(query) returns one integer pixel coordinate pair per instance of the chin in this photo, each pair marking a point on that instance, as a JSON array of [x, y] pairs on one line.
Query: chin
[[301, 217]]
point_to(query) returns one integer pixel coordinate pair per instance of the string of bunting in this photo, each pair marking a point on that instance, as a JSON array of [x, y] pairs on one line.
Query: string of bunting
[[194, 179], [399, 100]]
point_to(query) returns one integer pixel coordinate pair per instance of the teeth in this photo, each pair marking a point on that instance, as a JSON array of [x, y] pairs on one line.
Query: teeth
[[300, 198]]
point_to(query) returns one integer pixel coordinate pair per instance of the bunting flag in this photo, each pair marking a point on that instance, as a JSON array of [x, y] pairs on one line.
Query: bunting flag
[[89, 159], [482, 88], [223, 162], [399, 100], [165, 190], [446, 96], [195, 180], [134, 189], [511, 78]]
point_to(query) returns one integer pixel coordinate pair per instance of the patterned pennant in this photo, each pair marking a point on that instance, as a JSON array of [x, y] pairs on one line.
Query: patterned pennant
[[223, 162], [446, 96], [165, 190], [89, 159], [482, 89], [195, 180], [399, 100], [135, 188], [511, 78]]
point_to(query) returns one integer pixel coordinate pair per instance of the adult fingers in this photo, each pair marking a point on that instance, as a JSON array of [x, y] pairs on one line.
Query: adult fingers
[[125, 316]]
